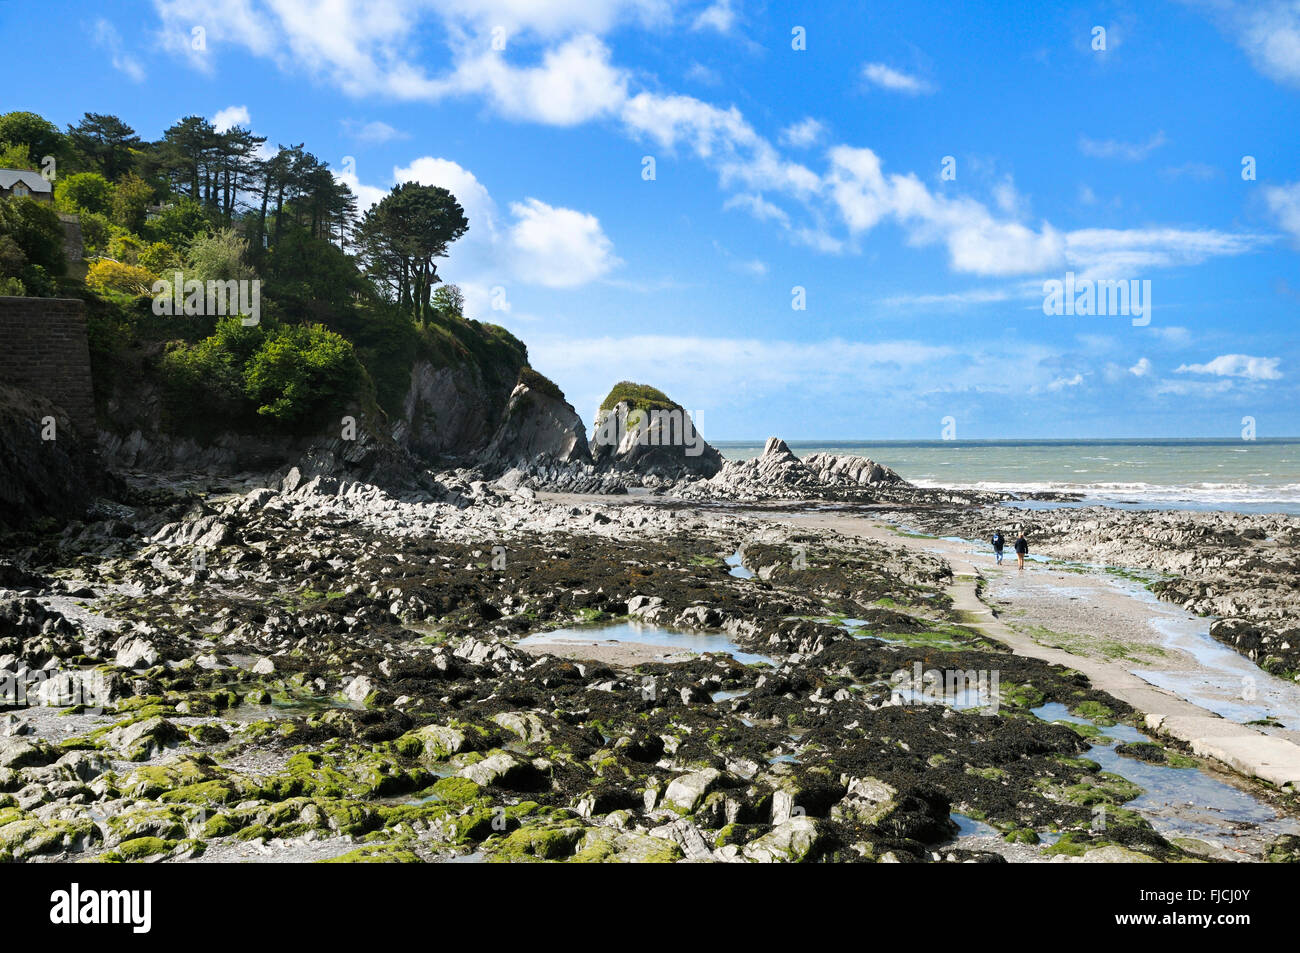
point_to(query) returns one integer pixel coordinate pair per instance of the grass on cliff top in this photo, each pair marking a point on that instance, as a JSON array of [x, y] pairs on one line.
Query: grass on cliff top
[[539, 382], [638, 397]]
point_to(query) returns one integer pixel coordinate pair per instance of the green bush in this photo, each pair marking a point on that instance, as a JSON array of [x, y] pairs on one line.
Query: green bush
[[84, 192], [638, 397], [286, 374], [298, 370]]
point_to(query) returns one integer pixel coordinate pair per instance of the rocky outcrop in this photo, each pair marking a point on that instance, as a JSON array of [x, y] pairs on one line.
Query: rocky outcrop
[[447, 411], [778, 473], [640, 429], [540, 427]]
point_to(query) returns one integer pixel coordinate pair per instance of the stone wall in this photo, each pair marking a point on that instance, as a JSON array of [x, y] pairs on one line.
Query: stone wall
[[44, 350]]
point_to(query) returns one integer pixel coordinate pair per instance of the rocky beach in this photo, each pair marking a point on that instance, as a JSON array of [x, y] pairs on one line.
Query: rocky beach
[[629, 659]]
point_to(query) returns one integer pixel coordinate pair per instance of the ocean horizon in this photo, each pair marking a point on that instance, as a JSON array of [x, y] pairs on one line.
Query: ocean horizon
[[1206, 473]]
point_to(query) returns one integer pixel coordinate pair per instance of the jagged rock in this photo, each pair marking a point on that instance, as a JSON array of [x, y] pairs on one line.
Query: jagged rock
[[539, 426]]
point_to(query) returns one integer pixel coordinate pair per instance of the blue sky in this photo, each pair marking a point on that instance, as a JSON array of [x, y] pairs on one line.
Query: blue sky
[[779, 168]]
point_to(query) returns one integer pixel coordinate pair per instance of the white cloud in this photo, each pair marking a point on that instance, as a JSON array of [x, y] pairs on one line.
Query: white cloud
[[1284, 202], [107, 37], [1114, 149], [802, 134], [1237, 365], [954, 299], [375, 133], [558, 247], [718, 16], [1141, 369], [368, 49], [230, 117], [1172, 335], [1063, 382], [758, 207], [699, 73], [367, 195], [536, 244], [1269, 32], [878, 74], [574, 83], [1128, 253], [977, 242]]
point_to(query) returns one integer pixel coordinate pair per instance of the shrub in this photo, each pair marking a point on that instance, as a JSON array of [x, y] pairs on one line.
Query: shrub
[[160, 258], [131, 198], [284, 374], [114, 277], [297, 370], [638, 397], [124, 246], [219, 257], [178, 224]]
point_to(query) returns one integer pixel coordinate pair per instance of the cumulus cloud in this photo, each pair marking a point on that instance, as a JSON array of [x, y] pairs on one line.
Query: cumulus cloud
[[373, 133], [1141, 369], [558, 247], [556, 70], [1237, 365], [535, 243], [720, 16], [1063, 382], [230, 117]]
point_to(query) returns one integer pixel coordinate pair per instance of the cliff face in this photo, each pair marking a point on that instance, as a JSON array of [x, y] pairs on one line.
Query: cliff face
[[539, 426]]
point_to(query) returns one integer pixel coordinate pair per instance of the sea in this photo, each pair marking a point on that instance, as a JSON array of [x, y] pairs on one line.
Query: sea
[[1245, 476]]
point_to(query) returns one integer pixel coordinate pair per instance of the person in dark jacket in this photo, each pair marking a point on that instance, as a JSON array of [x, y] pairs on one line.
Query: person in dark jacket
[[1022, 549], [998, 543]]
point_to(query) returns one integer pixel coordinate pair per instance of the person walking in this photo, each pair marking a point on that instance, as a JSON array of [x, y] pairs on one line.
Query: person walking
[[998, 543], [1022, 549]]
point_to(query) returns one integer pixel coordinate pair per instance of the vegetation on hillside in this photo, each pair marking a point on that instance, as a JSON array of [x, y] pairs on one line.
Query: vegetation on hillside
[[347, 302], [638, 397]]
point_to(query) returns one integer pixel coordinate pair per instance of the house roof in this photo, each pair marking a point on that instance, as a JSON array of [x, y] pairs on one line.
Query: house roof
[[33, 180]]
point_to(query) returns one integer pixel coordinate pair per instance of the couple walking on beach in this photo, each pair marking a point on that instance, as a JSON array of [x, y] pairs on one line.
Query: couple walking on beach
[[1021, 547]]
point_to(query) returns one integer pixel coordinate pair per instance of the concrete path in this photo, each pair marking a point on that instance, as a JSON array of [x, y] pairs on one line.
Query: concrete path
[[1240, 747]]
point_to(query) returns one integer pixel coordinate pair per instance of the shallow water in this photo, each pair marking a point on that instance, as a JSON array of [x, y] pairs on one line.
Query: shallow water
[[1180, 802], [646, 634], [1227, 684], [737, 568]]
